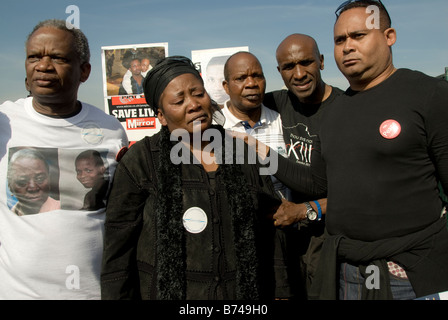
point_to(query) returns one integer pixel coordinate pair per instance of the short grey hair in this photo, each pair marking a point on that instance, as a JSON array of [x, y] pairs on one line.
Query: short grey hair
[[26, 153], [81, 43]]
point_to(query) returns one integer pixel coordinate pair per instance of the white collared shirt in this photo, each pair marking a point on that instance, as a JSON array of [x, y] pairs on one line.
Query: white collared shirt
[[267, 130]]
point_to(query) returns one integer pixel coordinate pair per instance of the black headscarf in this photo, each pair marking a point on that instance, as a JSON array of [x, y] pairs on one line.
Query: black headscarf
[[161, 75]]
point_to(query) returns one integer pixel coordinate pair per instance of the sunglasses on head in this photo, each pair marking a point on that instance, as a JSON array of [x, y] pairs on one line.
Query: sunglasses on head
[[341, 8]]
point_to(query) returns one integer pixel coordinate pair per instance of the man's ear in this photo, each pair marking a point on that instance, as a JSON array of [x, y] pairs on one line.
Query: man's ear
[[225, 85], [27, 86], [391, 36], [85, 71], [322, 64]]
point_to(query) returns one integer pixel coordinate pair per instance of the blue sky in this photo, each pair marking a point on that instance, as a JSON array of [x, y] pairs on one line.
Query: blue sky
[[422, 28]]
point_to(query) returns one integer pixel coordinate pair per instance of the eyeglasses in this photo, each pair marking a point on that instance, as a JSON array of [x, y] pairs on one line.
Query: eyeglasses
[[341, 8]]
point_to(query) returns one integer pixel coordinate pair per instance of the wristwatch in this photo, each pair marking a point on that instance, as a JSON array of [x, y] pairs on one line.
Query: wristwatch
[[311, 214]]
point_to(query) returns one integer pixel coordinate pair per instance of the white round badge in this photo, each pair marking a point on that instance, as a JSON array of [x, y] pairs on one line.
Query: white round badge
[[195, 220], [92, 134]]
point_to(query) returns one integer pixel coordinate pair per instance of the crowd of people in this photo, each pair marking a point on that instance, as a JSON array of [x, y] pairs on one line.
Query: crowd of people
[[352, 209]]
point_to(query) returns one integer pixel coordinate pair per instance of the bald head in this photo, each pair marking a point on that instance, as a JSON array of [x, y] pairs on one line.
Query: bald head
[[235, 58], [297, 40]]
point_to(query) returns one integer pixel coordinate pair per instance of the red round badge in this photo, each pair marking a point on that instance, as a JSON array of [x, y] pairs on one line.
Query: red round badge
[[390, 129], [121, 153]]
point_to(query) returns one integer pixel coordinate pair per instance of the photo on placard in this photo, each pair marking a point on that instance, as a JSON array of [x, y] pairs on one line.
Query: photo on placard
[[124, 69]]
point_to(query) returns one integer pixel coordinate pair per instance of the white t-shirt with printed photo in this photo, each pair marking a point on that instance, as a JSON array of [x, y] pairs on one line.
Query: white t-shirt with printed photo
[[53, 250]]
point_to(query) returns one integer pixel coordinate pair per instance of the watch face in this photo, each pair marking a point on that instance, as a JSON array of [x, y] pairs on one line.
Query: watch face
[[311, 215]]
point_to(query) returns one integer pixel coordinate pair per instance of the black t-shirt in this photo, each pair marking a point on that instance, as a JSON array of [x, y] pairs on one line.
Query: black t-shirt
[[382, 153], [301, 124]]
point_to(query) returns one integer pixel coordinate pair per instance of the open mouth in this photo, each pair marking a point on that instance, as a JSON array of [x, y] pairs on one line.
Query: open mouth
[[87, 183], [303, 86], [200, 118]]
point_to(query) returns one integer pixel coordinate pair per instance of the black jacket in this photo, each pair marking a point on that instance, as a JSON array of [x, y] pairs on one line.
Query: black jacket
[[148, 254]]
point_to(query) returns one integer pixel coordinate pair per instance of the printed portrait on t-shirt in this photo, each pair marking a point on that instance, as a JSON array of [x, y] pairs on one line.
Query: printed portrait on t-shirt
[[90, 172], [47, 179], [32, 181]]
